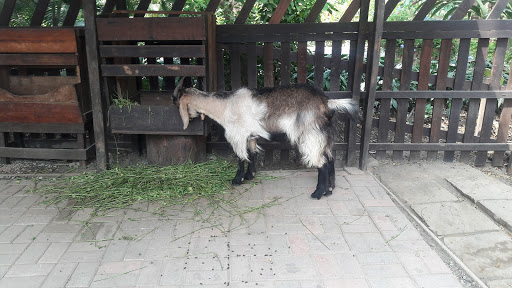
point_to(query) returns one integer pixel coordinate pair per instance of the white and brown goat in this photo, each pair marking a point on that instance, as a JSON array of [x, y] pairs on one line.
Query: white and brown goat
[[303, 112]]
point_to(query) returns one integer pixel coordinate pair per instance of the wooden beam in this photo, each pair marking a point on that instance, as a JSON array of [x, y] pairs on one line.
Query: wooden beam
[[351, 11], [244, 12], [94, 84], [38, 16], [73, 10]]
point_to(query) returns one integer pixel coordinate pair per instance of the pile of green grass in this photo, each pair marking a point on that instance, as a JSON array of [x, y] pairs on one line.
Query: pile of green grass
[[119, 188]]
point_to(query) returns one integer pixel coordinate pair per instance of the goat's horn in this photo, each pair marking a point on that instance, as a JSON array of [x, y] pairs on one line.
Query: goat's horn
[[177, 89]]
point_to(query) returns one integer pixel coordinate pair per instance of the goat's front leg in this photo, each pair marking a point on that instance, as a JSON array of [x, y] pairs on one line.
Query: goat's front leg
[[239, 177], [251, 166], [323, 182]]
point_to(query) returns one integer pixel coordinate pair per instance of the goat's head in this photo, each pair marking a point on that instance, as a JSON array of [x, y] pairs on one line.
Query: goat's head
[[185, 99]]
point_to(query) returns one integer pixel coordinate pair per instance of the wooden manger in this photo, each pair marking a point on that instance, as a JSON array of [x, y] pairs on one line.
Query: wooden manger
[[145, 51], [42, 91]]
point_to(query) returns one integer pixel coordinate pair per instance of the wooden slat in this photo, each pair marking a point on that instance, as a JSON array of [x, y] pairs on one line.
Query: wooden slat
[[177, 6], [474, 104], [390, 6], [154, 83], [430, 34], [40, 113], [38, 16], [350, 126], [72, 14], [42, 127], [462, 9], [419, 94], [351, 11], [279, 11], [302, 52], [212, 6], [39, 59], [37, 40], [97, 101], [43, 153], [7, 10], [36, 85], [143, 5], [268, 64], [438, 106], [336, 66], [211, 61], [319, 65], [152, 70], [244, 12], [442, 146], [490, 107], [498, 9], [152, 28], [285, 63], [424, 10], [506, 114], [456, 107], [423, 79], [315, 11], [402, 105], [108, 7], [236, 81], [447, 26], [385, 104], [252, 66], [221, 82], [194, 51]]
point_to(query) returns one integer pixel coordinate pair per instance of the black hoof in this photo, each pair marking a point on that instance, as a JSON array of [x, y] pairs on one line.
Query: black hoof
[[249, 176], [328, 193], [237, 181], [317, 194]]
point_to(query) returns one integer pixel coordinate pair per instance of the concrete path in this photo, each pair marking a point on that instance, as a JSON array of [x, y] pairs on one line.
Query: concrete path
[[355, 238], [470, 211]]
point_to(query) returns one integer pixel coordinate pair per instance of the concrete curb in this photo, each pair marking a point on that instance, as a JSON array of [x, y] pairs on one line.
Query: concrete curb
[[432, 235]]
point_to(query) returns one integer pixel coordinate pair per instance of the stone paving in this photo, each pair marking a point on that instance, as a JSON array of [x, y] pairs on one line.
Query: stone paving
[[355, 238]]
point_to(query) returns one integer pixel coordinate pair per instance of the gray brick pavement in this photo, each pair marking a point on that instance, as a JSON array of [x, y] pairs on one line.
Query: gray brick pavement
[[355, 238]]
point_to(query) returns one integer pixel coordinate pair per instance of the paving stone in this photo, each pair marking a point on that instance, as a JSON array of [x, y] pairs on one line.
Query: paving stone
[[30, 233], [8, 259], [17, 248], [115, 251], [150, 274], [418, 191], [83, 274], [487, 253], [33, 253], [436, 280], [398, 282], [3, 270], [366, 242], [481, 188], [453, 218], [54, 253], [500, 283], [384, 271], [353, 283], [9, 234], [29, 270], [377, 258], [173, 272], [499, 210], [22, 282], [59, 276]]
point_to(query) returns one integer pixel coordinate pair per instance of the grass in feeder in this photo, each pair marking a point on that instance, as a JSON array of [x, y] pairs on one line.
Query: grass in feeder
[[120, 188]]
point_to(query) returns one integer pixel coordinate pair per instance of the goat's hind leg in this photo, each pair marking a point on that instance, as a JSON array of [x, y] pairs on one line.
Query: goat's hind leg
[[323, 182], [251, 166], [332, 177]]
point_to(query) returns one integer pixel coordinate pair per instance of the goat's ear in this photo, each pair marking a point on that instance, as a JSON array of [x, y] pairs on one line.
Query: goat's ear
[[184, 113], [178, 91]]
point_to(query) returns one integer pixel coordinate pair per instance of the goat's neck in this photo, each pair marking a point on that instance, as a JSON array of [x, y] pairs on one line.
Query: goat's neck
[[212, 107]]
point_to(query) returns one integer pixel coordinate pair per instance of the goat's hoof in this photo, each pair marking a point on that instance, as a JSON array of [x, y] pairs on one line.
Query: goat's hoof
[[317, 194], [249, 176], [236, 181]]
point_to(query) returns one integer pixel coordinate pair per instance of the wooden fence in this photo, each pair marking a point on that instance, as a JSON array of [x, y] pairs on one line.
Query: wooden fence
[[425, 94]]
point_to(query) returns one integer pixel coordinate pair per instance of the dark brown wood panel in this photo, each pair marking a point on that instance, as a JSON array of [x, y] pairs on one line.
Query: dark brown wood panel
[[152, 28], [335, 81], [385, 104], [43, 153], [285, 63], [39, 59], [42, 127], [491, 104], [38, 16], [195, 51], [351, 11], [39, 113], [153, 70], [438, 107], [37, 40], [503, 127], [456, 107], [236, 81], [37, 85], [423, 80], [319, 64], [252, 66], [442, 146]]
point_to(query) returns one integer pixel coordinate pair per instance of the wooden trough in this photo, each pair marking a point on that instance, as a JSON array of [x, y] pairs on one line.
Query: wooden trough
[[41, 91]]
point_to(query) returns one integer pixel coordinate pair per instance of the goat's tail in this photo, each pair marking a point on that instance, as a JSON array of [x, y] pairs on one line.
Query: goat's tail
[[347, 106]]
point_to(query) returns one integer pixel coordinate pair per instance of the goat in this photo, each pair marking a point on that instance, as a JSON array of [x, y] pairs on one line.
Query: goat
[[303, 112]]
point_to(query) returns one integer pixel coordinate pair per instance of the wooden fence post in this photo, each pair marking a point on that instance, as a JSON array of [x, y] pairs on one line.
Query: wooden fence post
[[371, 80], [97, 100]]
